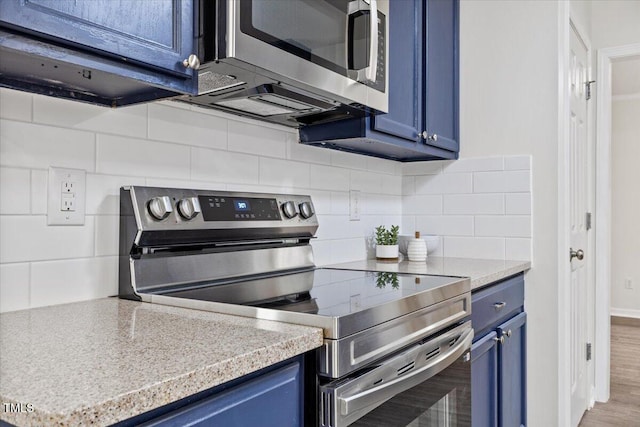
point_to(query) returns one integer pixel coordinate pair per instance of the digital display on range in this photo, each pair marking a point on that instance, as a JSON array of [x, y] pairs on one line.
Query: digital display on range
[[222, 208], [242, 205]]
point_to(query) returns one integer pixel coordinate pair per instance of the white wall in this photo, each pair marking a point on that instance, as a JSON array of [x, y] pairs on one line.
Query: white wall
[[615, 22], [625, 247], [163, 144], [509, 106]]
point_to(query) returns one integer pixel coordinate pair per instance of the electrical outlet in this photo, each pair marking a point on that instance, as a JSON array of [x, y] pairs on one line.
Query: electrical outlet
[[354, 205], [66, 196]]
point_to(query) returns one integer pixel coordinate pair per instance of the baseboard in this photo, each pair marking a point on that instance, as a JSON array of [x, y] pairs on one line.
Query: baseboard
[[625, 316]]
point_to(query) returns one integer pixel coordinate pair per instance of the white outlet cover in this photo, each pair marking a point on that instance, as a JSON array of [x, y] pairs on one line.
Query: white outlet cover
[[354, 205], [57, 178]]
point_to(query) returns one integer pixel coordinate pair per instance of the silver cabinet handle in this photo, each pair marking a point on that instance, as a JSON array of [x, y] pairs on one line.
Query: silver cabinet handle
[[386, 390], [500, 339], [499, 305], [425, 135], [576, 254], [507, 333], [192, 62]]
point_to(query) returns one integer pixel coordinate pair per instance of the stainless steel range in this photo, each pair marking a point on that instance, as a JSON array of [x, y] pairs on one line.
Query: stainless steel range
[[396, 346]]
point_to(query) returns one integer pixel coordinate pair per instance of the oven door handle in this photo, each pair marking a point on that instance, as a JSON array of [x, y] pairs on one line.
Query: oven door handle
[[368, 74], [385, 391]]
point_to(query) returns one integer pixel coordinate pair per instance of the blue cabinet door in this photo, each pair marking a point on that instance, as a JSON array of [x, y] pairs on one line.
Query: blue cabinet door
[[272, 399], [441, 74], [404, 119], [484, 381], [512, 372], [158, 33]]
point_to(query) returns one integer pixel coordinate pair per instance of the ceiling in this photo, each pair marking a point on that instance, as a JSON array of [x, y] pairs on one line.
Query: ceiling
[[626, 76]]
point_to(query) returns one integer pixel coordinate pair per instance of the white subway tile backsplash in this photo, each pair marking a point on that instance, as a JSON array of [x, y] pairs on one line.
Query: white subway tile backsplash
[[321, 200], [223, 166], [375, 164], [59, 282], [15, 105], [187, 127], [454, 183], [381, 204], [422, 204], [14, 287], [15, 187], [422, 168], [367, 182], [391, 184], [474, 165], [502, 182], [473, 204], [258, 140], [407, 224], [518, 249], [503, 226], [130, 120], [37, 146], [184, 183], [284, 173], [339, 203], [345, 250], [118, 155], [517, 163], [106, 234], [103, 193], [39, 194], [338, 227], [28, 238], [329, 178], [321, 251], [306, 153], [518, 204], [408, 186], [347, 160], [474, 247], [445, 225]]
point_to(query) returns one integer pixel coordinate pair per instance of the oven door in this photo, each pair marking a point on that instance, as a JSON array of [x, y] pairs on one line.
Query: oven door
[[428, 384], [338, 46]]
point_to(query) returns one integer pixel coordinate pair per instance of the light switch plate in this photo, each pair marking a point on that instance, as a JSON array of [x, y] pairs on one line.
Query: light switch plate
[[354, 205], [66, 196]]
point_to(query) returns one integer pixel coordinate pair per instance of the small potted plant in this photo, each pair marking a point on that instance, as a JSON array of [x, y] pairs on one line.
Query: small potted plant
[[387, 242]]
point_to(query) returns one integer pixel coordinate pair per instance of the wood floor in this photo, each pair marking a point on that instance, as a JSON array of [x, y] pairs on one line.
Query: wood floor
[[623, 407]]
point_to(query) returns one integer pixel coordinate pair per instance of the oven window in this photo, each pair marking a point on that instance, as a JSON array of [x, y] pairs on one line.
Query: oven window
[[315, 30], [442, 401]]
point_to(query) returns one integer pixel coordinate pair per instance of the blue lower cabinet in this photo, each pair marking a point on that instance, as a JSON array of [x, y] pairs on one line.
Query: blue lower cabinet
[[498, 362], [270, 399], [512, 371], [484, 380]]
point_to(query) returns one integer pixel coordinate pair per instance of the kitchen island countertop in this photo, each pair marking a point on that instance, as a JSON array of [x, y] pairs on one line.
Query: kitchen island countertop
[[481, 271], [106, 360]]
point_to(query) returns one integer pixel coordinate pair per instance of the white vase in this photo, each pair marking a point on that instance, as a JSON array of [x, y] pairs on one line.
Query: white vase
[[387, 251], [417, 250]]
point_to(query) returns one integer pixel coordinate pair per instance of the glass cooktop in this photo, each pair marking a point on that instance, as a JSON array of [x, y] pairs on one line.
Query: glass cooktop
[[324, 291]]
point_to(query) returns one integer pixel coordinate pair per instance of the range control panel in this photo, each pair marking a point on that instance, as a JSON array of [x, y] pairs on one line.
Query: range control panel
[[172, 209]]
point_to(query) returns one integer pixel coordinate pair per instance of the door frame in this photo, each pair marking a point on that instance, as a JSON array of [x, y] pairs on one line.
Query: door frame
[[603, 215]]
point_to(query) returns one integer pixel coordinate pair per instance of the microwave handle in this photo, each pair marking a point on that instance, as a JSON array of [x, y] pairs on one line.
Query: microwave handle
[[384, 392], [369, 73]]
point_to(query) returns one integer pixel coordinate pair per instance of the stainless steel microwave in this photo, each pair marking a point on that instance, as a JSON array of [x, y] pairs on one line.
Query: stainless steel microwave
[[293, 62]]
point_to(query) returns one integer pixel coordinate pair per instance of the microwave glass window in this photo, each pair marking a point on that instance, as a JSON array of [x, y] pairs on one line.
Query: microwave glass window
[[316, 30]]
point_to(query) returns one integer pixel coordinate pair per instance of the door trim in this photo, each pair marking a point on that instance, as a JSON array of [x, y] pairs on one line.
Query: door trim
[[603, 215]]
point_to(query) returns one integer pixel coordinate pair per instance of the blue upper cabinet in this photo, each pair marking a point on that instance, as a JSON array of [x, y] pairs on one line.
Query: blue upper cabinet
[[100, 51], [422, 122]]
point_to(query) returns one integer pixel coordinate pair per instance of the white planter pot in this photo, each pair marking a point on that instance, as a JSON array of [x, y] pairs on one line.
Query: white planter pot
[[387, 251]]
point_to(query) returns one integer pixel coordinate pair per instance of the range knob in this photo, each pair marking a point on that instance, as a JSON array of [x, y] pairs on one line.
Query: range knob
[[189, 208], [306, 210], [159, 207], [289, 209]]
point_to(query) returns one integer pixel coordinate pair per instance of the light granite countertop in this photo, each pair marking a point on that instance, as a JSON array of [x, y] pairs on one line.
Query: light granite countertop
[[102, 361], [481, 271]]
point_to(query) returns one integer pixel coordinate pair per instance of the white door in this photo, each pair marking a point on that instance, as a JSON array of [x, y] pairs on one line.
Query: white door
[[579, 186]]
